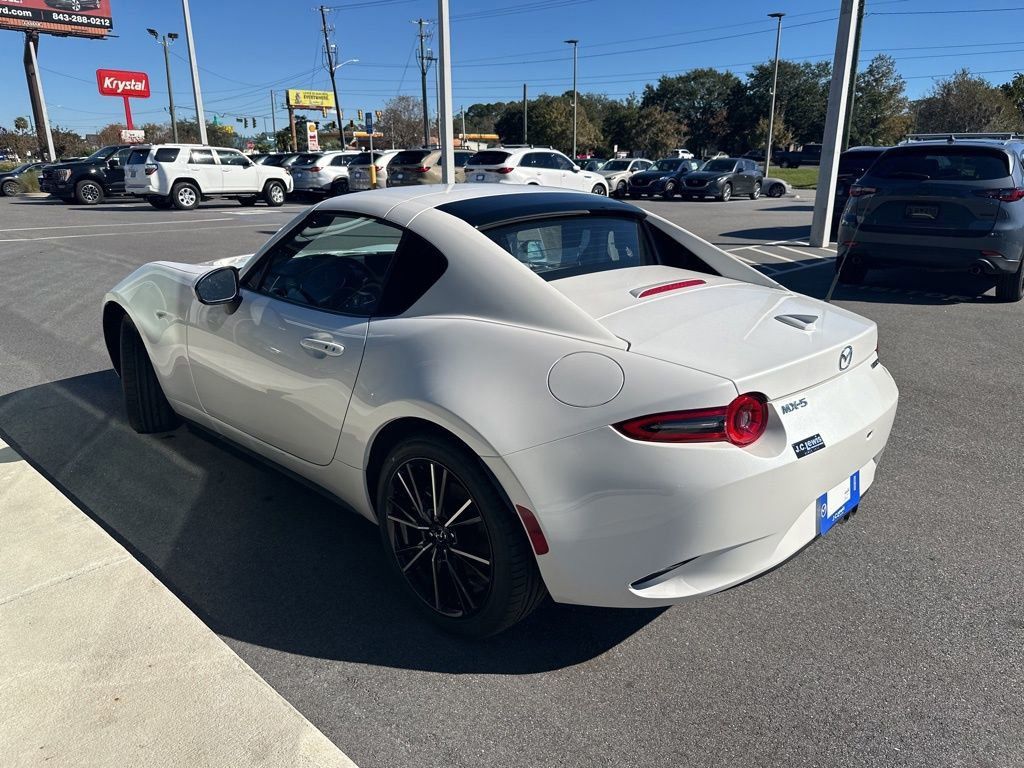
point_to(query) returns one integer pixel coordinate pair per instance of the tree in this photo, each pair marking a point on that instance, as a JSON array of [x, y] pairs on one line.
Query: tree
[[880, 107], [801, 101], [550, 124], [699, 99], [1014, 92], [965, 103], [402, 120], [68, 143], [649, 131], [482, 118], [20, 124]]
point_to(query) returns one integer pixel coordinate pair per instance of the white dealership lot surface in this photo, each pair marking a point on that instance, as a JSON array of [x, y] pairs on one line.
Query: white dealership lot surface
[[894, 641]]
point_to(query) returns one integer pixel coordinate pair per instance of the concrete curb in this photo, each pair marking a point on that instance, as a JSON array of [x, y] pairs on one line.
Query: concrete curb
[[103, 666]]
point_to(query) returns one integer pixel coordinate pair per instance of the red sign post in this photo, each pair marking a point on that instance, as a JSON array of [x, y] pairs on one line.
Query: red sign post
[[127, 85]]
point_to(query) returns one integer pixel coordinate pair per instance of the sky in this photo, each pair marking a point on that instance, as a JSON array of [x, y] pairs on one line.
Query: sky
[[245, 49]]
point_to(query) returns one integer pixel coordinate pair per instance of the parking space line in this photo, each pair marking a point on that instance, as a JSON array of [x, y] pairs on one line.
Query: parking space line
[[802, 253], [118, 234], [771, 255], [132, 224]]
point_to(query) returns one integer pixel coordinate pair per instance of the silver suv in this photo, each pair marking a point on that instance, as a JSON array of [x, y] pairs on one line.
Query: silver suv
[[323, 173], [952, 204]]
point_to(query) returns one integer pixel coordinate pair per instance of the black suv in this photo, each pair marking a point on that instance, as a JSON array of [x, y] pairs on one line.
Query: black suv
[[723, 177], [955, 205], [808, 154], [89, 181], [853, 164], [664, 178]]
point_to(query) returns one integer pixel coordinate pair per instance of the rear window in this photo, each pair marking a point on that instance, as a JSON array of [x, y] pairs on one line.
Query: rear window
[[943, 163], [167, 154], [363, 158], [488, 157], [462, 159], [857, 162], [410, 156], [273, 159], [138, 156], [576, 245], [308, 158]]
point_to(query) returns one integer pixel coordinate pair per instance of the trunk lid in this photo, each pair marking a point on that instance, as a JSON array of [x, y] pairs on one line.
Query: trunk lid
[[763, 339]]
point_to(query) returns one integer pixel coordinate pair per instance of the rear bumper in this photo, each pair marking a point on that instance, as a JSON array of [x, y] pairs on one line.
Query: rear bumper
[[997, 253], [634, 524]]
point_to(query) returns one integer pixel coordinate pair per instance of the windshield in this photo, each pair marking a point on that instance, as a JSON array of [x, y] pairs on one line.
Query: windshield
[[21, 168], [668, 164], [576, 245], [616, 165], [943, 164], [720, 166], [102, 153]]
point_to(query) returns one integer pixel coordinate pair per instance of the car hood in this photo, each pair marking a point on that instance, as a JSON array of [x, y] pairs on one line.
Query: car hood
[[762, 339]]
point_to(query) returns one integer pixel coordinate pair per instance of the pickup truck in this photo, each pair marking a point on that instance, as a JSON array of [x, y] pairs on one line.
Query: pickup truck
[[88, 181], [809, 154]]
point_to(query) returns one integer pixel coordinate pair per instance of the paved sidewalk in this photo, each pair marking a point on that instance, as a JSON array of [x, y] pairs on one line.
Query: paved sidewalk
[[100, 665]]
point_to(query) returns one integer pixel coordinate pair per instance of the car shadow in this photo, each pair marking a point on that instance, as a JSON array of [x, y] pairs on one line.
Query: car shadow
[[258, 556], [771, 234], [889, 286]]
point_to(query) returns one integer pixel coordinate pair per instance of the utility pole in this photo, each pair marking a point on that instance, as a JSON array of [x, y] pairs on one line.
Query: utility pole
[[463, 111], [575, 46], [524, 114], [444, 105], [35, 90], [330, 68], [273, 113], [172, 36], [775, 82], [852, 93], [423, 81], [824, 198], [196, 90]]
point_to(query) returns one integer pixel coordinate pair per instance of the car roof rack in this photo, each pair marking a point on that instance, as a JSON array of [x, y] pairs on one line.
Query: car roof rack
[[952, 137]]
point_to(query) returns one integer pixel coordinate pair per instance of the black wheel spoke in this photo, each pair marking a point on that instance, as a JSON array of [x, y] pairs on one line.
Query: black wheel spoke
[[439, 537]]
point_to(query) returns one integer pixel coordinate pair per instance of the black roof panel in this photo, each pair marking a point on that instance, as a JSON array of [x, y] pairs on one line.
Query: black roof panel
[[483, 212]]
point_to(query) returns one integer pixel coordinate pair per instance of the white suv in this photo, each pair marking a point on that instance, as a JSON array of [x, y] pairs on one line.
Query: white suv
[[529, 165], [326, 173], [181, 175]]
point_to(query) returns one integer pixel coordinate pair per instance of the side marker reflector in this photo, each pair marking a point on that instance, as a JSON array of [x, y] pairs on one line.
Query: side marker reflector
[[537, 540]]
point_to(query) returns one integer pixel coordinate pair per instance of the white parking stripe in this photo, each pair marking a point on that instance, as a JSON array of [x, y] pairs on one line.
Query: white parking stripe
[[133, 224], [119, 234], [771, 255], [803, 253]]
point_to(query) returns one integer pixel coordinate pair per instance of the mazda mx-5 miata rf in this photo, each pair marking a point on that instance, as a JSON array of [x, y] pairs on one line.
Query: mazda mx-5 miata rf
[[531, 392]]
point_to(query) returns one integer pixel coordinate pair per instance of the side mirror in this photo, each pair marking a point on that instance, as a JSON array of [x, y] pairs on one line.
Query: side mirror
[[575, 169], [218, 286], [113, 163]]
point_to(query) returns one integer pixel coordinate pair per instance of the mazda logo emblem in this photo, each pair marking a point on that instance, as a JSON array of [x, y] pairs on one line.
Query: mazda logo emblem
[[845, 358]]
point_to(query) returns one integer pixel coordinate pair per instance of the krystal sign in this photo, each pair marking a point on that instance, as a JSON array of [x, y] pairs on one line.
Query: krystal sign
[[126, 84]]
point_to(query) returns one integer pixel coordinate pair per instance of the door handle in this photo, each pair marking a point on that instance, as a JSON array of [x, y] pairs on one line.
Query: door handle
[[329, 348]]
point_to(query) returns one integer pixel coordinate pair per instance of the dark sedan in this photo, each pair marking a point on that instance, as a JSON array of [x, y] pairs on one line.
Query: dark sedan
[[664, 179], [10, 181], [724, 177]]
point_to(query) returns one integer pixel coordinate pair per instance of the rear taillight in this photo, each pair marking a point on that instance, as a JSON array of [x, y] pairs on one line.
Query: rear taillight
[[502, 170], [668, 287], [858, 190], [741, 423], [315, 169], [422, 169], [150, 169], [1008, 195]]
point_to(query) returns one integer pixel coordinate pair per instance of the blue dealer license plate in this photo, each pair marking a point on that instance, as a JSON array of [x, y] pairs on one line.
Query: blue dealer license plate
[[837, 502]]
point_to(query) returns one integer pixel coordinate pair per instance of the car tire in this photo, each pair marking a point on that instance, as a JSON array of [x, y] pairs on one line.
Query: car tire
[[851, 274], [88, 192], [757, 191], [1010, 287], [10, 188], [599, 189], [274, 194], [185, 196], [339, 187], [670, 190], [159, 201], [726, 194], [620, 189], [776, 190], [249, 200], [144, 401], [476, 596]]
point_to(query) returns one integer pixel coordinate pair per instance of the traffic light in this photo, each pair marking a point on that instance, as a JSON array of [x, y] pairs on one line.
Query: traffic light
[[379, 115], [359, 115], [253, 119]]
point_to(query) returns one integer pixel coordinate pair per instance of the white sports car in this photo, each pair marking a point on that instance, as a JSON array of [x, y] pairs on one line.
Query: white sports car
[[530, 390]]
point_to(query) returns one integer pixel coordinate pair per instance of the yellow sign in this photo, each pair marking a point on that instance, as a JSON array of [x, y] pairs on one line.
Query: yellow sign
[[310, 99]]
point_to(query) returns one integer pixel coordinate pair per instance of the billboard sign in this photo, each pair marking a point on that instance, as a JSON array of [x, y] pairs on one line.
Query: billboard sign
[[133, 136], [308, 99], [312, 137], [68, 18], [121, 82]]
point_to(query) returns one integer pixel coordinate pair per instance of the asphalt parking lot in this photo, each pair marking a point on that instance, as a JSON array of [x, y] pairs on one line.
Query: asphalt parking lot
[[896, 640]]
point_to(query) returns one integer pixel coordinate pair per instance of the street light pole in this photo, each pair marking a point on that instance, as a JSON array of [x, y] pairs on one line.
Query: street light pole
[[575, 98], [163, 41], [775, 81], [196, 90]]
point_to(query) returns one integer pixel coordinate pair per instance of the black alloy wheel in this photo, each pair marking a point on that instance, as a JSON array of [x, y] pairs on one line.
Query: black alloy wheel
[[670, 190], [756, 192], [453, 539], [726, 194], [11, 188]]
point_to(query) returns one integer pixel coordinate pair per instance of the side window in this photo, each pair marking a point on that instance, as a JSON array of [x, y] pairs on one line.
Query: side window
[[342, 160], [335, 262], [167, 154], [202, 157], [533, 160], [461, 158], [560, 162], [123, 155], [228, 157]]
